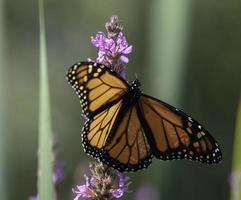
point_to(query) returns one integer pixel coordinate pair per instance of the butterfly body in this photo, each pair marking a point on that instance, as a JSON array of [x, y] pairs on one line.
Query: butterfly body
[[134, 92], [126, 128]]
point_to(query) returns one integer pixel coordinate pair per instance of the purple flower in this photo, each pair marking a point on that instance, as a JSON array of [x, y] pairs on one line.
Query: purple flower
[[123, 185], [104, 183], [111, 50], [33, 198], [147, 191], [113, 46], [102, 42], [85, 190], [58, 174]]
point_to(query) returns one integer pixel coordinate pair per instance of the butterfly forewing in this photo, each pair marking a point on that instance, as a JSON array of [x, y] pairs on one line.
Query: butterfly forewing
[[96, 85], [175, 135]]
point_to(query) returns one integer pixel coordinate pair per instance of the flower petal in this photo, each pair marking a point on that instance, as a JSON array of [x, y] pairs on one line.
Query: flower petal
[[98, 40], [82, 190], [121, 42], [109, 44], [124, 59], [100, 59], [127, 50], [77, 197], [117, 193], [90, 60]]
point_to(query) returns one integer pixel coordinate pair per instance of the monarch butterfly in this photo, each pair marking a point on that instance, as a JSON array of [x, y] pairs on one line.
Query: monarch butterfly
[[125, 128]]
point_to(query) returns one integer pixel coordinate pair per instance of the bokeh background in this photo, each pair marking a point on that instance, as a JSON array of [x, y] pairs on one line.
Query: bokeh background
[[185, 52]]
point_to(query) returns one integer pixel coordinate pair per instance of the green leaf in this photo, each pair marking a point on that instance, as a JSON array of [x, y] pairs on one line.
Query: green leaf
[[45, 162], [236, 169], [3, 136]]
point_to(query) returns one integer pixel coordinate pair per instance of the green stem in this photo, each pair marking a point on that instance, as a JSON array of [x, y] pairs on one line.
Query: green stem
[[236, 169], [45, 163], [169, 27], [3, 168]]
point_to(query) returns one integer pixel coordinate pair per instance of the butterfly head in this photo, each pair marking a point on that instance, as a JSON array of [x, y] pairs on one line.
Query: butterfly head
[[136, 84]]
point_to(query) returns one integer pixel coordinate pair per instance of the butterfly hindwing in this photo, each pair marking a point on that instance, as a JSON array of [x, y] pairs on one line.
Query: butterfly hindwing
[[97, 129], [175, 135], [116, 137], [127, 148]]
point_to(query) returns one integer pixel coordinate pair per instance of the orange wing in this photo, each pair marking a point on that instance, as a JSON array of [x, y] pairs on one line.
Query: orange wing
[[127, 148], [175, 135], [97, 129], [96, 85]]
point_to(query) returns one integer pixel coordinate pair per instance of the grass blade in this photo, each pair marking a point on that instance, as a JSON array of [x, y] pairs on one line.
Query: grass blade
[[3, 194], [236, 169], [45, 165], [168, 26], [167, 47]]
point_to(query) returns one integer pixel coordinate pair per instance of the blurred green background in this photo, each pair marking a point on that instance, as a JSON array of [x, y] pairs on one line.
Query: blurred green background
[[185, 52]]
